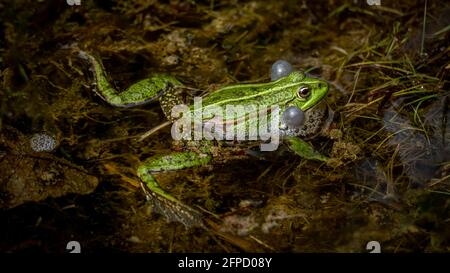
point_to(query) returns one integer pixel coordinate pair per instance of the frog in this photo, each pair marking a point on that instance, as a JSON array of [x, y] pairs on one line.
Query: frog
[[294, 93]]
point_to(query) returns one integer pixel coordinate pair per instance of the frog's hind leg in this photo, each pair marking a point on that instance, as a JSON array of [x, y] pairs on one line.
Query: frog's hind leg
[[141, 92], [162, 201]]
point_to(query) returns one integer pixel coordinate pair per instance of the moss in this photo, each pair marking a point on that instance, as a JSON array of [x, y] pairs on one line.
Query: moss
[[387, 178]]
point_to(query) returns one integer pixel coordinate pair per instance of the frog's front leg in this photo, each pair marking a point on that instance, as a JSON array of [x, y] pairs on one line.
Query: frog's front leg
[[163, 202], [141, 92], [303, 149]]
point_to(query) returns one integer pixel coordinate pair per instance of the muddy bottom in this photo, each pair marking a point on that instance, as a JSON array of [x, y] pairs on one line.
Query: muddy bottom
[[68, 159]]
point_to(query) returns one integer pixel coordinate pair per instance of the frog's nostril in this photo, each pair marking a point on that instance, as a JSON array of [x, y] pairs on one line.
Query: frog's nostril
[[323, 85]]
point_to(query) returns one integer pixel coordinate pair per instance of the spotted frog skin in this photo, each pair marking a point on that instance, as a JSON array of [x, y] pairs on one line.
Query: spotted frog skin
[[293, 91]]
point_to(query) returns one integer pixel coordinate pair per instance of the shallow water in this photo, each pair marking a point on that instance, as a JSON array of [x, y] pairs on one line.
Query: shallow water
[[387, 179]]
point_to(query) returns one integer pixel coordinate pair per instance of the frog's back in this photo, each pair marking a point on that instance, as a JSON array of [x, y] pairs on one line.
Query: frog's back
[[267, 94]]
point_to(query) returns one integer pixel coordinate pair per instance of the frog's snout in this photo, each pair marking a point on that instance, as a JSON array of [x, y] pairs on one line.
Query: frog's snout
[[323, 86]]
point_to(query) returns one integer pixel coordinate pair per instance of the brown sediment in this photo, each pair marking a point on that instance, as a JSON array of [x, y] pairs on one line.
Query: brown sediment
[[387, 179]]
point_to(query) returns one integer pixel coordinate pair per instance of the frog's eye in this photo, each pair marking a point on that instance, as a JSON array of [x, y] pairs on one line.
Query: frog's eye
[[303, 92]]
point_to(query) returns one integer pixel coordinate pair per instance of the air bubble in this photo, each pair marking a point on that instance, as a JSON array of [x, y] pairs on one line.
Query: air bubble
[[280, 68]]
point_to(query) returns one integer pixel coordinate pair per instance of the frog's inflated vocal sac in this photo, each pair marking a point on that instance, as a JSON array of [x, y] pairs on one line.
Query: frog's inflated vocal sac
[[293, 92]]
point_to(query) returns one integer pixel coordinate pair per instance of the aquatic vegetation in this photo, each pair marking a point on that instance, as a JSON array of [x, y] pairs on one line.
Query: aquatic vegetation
[[422, 151], [29, 174], [383, 128]]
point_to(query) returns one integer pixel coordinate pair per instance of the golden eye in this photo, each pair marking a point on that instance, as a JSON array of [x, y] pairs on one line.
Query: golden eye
[[304, 92]]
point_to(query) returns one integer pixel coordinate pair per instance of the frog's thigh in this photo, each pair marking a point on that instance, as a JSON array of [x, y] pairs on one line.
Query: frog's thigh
[[163, 202]]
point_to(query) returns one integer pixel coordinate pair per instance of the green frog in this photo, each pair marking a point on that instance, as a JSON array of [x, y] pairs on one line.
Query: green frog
[[293, 94]]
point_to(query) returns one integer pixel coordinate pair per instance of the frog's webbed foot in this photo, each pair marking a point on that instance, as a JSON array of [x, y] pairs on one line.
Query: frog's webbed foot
[[163, 202], [141, 92], [174, 210]]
